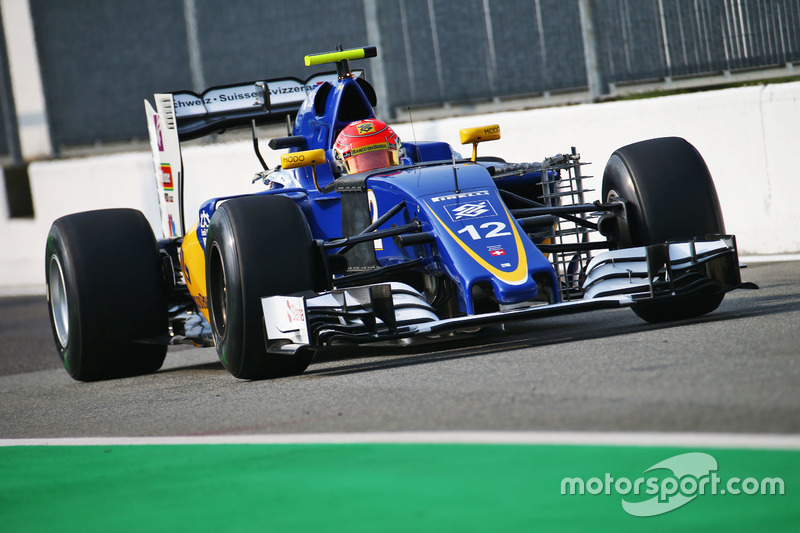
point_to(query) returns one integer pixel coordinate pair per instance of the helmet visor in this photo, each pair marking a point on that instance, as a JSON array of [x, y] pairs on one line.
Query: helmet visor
[[370, 160]]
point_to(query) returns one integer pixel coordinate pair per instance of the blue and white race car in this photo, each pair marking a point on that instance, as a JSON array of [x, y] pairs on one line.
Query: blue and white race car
[[358, 238]]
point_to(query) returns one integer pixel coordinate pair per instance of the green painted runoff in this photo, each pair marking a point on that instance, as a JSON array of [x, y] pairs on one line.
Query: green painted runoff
[[377, 488]]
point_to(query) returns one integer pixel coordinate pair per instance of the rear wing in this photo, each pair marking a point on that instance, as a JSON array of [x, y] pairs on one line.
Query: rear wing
[[234, 106], [186, 115]]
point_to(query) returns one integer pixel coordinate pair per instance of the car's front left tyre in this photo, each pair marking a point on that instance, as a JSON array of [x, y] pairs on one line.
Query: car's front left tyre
[[256, 246]]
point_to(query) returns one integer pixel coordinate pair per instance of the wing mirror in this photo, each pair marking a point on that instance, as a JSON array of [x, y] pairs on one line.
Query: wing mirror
[[478, 135], [307, 158]]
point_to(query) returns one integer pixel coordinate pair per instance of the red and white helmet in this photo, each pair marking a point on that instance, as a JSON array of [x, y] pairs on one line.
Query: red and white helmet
[[366, 145]]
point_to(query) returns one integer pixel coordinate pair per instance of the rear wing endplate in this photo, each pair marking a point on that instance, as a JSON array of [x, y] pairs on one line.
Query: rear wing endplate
[[166, 150]]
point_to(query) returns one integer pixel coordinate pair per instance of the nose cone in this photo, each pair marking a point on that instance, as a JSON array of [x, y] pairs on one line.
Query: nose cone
[[482, 243], [513, 294]]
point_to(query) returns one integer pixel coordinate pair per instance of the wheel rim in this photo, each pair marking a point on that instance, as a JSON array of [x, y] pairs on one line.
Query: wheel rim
[[59, 305], [218, 292]]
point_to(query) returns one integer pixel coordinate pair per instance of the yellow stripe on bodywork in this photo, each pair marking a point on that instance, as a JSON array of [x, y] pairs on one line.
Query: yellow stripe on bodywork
[[193, 265], [515, 277]]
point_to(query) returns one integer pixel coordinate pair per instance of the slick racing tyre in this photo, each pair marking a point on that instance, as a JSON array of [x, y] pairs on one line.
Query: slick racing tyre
[[669, 196], [105, 291], [257, 246]]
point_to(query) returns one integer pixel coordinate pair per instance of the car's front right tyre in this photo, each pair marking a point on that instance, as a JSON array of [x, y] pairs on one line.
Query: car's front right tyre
[[669, 196]]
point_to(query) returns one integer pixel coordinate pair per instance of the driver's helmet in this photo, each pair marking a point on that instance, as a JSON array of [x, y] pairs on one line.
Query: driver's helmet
[[366, 145]]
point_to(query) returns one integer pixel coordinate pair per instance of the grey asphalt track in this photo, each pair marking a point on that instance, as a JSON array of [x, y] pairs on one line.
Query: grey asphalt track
[[735, 370]]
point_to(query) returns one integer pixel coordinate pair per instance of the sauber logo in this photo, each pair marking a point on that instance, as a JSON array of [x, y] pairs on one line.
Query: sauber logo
[[205, 219], [205, 222], [159, 137], [294, 312]]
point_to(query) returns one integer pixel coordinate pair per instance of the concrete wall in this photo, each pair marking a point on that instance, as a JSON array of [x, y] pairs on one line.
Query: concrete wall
[[749, 138]]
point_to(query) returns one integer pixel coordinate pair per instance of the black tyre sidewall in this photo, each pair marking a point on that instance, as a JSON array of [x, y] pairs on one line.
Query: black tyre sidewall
[[231, 340], [115, 293], [669, 196], [668, 191], [264, 247], [70, 354]]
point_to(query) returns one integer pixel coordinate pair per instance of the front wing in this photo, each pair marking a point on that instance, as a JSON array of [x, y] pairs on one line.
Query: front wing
[[391, 311]]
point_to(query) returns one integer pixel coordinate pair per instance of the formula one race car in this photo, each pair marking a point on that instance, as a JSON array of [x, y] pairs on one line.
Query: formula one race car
[[334, 250]]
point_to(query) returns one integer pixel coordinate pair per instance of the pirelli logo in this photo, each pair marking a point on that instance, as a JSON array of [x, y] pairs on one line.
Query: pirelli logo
[[459, 196]]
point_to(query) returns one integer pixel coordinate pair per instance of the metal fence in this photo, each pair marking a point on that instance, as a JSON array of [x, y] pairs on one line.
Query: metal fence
[[655, 39], [99, 60]]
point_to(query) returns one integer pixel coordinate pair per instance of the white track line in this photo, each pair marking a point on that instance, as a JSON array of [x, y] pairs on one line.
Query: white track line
[[772, 258], [568, 438]]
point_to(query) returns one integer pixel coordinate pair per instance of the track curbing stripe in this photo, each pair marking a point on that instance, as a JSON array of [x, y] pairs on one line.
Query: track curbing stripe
[[568, 438]]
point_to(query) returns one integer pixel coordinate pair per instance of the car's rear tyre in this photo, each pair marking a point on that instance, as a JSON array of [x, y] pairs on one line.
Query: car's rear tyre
[[669, 196], [257, 246], [105, 291]]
